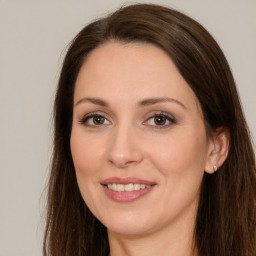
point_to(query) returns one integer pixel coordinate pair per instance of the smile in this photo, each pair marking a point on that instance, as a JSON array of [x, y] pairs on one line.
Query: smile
[[124, 190], [127, 187]]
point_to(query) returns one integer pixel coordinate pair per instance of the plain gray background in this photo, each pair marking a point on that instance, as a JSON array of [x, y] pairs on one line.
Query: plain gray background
[[33, 39]]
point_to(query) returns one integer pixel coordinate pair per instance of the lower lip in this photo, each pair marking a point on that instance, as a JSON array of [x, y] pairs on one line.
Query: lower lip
[[126, 196]]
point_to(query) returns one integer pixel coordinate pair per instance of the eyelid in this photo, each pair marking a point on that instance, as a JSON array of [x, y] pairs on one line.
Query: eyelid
[[166, 115], [151, 115], [93, 114]]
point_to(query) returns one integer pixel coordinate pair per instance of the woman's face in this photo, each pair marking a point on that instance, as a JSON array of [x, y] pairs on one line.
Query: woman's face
[[138, 125]]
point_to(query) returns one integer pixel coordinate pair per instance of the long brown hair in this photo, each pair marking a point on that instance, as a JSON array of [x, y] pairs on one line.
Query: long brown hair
[[226, 218]]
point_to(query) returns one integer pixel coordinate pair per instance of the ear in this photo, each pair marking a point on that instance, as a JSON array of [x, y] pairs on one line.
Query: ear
[[218, 149]]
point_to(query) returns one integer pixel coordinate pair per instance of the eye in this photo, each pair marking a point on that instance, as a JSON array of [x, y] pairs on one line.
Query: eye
[[94, 120], [160, 120]]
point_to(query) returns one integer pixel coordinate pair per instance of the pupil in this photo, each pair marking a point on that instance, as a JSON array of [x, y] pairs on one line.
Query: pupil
[[98, 120], [159, 120]]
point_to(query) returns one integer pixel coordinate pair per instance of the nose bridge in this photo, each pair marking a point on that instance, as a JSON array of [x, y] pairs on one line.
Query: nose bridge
[[124, 148]]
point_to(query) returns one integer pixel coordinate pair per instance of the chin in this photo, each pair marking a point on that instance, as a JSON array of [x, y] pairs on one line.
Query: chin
[[129, 224], [128, 230]]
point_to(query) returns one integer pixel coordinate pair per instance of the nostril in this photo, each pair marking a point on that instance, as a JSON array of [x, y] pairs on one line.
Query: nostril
[[122, 163]]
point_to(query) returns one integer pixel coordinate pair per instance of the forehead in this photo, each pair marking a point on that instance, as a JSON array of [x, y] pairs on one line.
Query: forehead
[[133, 71]]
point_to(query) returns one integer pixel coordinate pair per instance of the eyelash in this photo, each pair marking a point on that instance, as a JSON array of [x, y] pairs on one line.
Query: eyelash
[[164, 115], [91, 115]]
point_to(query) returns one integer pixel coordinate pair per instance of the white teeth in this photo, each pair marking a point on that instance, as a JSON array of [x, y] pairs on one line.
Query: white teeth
[[136, 186], [119, 187], [127, 187]]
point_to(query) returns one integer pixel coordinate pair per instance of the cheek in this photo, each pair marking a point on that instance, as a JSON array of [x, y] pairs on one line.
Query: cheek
[[87, 157], [180, 160], [86, 152], [181, 152]]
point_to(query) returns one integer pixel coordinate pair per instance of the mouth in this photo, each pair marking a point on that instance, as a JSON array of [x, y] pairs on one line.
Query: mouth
[[126, 189]]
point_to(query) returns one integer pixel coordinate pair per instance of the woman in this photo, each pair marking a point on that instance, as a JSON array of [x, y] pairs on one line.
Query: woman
[[152, 153]]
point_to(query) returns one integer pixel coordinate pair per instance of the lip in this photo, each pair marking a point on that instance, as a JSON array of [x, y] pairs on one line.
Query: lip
[[125, 181], [126, 196]]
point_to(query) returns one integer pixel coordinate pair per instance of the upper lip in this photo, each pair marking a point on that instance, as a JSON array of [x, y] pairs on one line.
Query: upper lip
[[128, 180]]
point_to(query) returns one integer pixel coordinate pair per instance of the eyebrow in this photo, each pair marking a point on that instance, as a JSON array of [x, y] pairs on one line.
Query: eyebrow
[[152, 101], [95, 101], [146, 102]]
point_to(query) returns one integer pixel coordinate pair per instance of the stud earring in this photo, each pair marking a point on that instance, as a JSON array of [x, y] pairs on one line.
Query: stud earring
[[215, 168]]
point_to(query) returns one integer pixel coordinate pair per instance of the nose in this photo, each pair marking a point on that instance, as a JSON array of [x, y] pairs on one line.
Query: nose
[[125, 147]]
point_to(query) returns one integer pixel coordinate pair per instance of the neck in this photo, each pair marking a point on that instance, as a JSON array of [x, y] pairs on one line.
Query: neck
[[177, 241]]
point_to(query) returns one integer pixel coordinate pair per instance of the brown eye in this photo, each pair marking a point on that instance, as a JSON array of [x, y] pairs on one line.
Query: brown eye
[[160, 120], [97, 120]]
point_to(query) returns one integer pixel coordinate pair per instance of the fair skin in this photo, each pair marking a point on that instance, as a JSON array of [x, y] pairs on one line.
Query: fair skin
[[136, 120]]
